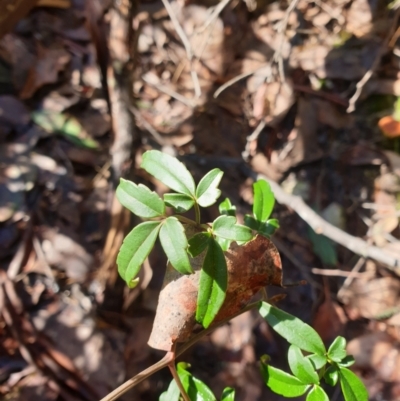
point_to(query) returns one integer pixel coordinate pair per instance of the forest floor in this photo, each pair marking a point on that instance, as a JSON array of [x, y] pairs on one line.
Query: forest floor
[[305, 93]]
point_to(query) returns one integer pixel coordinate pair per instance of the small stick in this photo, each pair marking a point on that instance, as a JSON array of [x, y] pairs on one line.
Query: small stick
[[186, 44]]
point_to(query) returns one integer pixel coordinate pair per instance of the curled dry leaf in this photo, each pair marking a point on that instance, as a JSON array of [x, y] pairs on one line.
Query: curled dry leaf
[[250, 267]]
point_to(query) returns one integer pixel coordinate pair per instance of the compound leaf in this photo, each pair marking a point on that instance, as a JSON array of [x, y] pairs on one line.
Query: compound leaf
[[213, 284], [292, 329], [169, 171], [135, 249], [174, 243], [207, 191], [140, 200]]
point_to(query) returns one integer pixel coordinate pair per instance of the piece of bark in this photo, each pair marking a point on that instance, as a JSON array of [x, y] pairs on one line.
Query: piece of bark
[[250, 268]]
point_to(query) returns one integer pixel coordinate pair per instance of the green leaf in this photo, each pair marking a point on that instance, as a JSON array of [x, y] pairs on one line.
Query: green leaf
[[292, 329], [352, 387], [169, 171], [251, 222], [281, 382], [228, 394], [195, 388], [318, 361], [264, 200], [347, 361], [65, 125], [207, 191], [317, 394], [301, 367], [337, 350], [140, 200], [224, 243], [331, 375], [180, 202], [226, 227], [227, 208], [172, 394], [174, 243], [268, 228], [135, 249], [198, 243], [213, 284]]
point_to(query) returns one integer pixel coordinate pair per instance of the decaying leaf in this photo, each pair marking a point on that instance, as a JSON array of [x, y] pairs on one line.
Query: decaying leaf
[[250, 267]]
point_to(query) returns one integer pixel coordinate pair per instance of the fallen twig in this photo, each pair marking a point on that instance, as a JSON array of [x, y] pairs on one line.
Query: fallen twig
[[321, 226], [186, 44]]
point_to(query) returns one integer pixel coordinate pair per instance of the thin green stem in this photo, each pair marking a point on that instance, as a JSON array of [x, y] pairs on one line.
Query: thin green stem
[[184, 219], [197, 211]]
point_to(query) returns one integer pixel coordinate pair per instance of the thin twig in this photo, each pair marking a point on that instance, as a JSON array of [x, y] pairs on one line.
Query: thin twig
[[281, 31], [168, 91], [214, 15], [251, 138], [338, 273], [321, 226], [382, 49], [158, 137], [236, 79], [186, 44]]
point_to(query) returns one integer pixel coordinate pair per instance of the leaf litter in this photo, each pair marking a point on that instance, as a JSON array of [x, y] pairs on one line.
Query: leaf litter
[[55, 182]]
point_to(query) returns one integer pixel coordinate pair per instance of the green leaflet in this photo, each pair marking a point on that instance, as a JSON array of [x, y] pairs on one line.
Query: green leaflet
[[180, 202], [135, 249], [292, 329], [228, 394], [264, 200], [174, 243], [169, 170], [226, 207], [207, 191], [226, 227], [212, 285], [317, 394], [281, 382], [337, 350], [140, 200], [195, 388], [302, 367], [352, 387]]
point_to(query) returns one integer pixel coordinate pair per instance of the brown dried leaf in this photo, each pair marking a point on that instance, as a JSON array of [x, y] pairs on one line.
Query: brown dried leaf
[[250, 267]]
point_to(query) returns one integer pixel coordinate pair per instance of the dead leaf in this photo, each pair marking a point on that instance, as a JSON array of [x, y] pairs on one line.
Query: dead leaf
[[389, 127], [250, 267]]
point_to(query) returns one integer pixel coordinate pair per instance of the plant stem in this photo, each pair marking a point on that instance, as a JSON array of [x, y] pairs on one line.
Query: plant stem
[[170, 357], [184, 219], [178, 381], [197, 211]]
